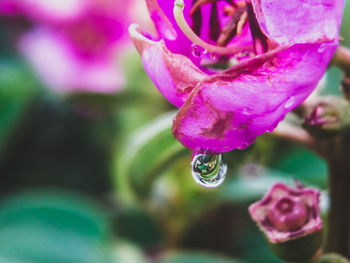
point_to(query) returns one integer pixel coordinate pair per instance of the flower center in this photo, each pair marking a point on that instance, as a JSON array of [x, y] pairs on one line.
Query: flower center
[[287, 215], [186, 29], [285, 206], [237, 14]]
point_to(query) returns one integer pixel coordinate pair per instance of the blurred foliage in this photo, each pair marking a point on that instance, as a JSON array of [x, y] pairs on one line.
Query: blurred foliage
[[195, 258], [139, 227], [53, 227], [17, 88], [51, 146]]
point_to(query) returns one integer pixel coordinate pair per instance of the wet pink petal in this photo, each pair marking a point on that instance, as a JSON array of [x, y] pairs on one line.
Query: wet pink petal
[[300, 21], [174, 75], [229, 111], [226, 109]]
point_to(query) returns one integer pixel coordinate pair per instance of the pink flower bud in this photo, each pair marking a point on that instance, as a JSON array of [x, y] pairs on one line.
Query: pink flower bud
[[286, 213]]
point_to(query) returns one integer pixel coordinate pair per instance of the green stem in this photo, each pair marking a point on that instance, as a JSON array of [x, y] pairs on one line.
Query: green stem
[[345, 85], [339, 188], [341, 59]]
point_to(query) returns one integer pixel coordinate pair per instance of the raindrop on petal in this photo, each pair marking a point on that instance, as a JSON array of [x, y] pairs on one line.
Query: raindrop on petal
[[198, 51], [247, 110], [214, 56], [208, 170], [290, 102], [322, 48]]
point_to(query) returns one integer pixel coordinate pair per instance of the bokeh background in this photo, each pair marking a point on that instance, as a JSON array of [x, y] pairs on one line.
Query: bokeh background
[[89, 168]]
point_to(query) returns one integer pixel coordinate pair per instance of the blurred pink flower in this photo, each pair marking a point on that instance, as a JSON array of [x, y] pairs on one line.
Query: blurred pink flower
[[76, 45], [273, 53], [64, 69], [44, 10]]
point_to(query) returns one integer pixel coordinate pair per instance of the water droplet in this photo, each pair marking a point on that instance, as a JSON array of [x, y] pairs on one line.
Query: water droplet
[[208, 170], [243, 55], [243, 146], [321, 48], [247, 110], [290, 102], [214, 56], [198, 51]]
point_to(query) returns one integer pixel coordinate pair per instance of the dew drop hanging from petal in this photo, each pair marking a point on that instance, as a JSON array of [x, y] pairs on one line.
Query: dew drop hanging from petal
[[208, 170]]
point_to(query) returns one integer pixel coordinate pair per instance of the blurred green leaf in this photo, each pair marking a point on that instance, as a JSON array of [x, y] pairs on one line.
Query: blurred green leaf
[[148, 151], [59, 145], [129, 253], [333, 79], [305, 166], [254, 246], [192, 257], [247, 188], [140, 101], [136, 77], [138, 226], [17, 88], [345, 31], [332, 258], [53, 227]]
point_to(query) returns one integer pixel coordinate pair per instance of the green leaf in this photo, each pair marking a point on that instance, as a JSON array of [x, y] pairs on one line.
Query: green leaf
[[148, 151], [345, 30], [53, 227], [191, 257], [128, 253], [17, 88], [332, 258], [138, 226], [245, 188], [304, 165], [333, 78]]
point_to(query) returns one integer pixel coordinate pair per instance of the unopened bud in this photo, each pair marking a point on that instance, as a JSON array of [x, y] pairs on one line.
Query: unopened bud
[[329, 116], [290, 219]]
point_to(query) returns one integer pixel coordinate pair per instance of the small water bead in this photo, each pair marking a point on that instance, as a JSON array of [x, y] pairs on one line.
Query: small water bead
[[209, 170], [243, 55], [198, 51], [322, 48], [290, 102], [247, 110], [214, 56], [270, 130]]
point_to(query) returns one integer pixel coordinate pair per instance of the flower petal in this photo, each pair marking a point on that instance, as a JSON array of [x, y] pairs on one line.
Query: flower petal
[[164, 27], [299, 21], [173, 74], [230, 109]]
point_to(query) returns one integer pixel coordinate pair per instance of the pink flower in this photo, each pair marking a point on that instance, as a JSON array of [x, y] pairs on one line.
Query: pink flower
[[76, 45], [285, 213], [273, 54]]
